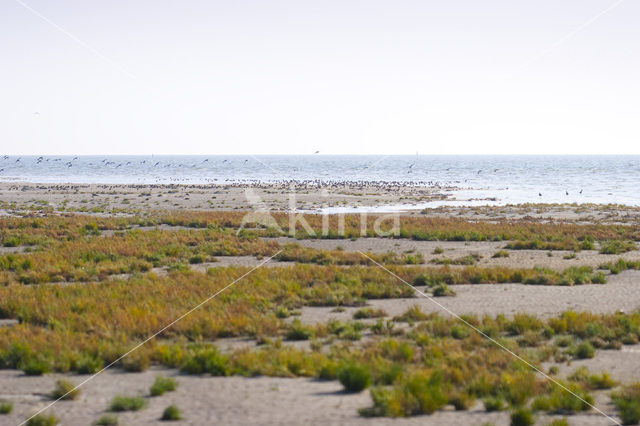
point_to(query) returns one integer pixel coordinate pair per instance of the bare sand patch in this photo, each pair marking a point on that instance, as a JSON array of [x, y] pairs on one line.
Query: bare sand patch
[[226, 400], [621, 293]]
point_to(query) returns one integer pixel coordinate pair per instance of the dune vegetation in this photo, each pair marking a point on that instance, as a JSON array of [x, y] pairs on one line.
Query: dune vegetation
[[83, 290]]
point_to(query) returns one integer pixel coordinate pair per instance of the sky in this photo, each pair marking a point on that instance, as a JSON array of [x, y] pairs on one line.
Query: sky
[[339, 77]]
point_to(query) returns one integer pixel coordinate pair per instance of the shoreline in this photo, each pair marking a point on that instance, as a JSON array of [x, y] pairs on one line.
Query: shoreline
[[302, 197]]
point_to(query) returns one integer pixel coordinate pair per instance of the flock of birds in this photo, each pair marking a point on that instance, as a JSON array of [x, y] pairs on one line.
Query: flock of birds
[[152, 164]]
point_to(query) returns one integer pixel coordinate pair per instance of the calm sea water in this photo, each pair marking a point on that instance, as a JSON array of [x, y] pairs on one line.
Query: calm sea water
[[507, 179]]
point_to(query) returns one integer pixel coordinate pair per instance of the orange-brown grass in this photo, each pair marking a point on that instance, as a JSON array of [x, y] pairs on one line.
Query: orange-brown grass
[[93, 258], [421, 227]]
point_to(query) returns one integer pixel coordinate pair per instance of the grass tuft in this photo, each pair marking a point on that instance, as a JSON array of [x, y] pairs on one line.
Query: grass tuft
[[162, 385], [127, 403], [65, 390], [6, 407], [171, 413]]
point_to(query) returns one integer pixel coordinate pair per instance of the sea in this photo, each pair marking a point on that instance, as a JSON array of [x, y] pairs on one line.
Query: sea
[[467, 180]]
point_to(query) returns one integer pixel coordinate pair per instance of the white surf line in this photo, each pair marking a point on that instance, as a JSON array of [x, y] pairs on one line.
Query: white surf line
[[570, 34], [500, 345], [190, 311]]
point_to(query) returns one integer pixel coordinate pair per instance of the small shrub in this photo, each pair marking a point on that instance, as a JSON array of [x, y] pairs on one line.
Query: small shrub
[[369, 313], [171, 413], [88, 364], [11, 242], [354, 377], [65, 390], [438, 250], [162, 385], [559, 422], [462, 401], [417, 394], [127, 403], [617, 247], [282, 312], [584, 350], [494, 404], [299, 331], [207, 360], [413, 314], [522, 417], [6, 407], [35, 367], [42, 420], [442, 290], [500, 253], [459, 332], [627, 401], [136, 363], [198, 258], [561, 401], [107, 420]]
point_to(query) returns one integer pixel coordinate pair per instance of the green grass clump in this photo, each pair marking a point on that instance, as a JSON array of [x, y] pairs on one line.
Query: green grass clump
[[585, 350], [442, 290], [417, 393], [298, 331], [522, 417], [162, 385], [136, 363], [542, 245], [354, 377], [500, 253], [127, 403], [42, 420], [559, 422], [35, 367], [494, 404], [627, 402], [621, 265], [89, 364], [369, 313], [6, 407], [413, 314], [171, 413], [592, 381], [107, 420], [438, 250], [470, 259], [617, 247], [206, 359], [282, 312], [65, 390], [561, 401]]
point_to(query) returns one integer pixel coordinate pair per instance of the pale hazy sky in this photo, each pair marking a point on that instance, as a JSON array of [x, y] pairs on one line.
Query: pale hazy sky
[[342, 77]]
